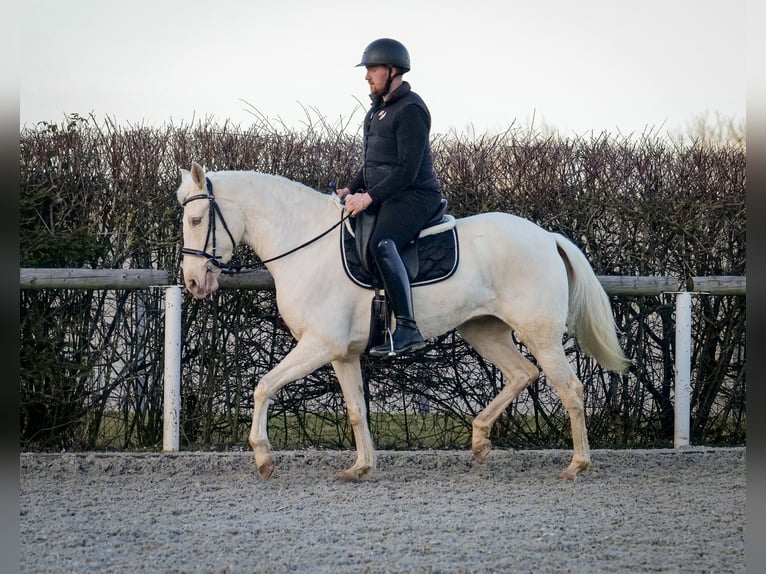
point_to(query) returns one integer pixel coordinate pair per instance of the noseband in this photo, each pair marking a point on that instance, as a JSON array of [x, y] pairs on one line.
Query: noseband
[[212, 257]]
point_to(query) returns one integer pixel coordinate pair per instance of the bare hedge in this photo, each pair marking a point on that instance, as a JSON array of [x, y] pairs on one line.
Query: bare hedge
[[97, 195]]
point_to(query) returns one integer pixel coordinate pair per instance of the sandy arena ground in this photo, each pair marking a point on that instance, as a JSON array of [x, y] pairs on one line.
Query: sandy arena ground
[[424, 511]]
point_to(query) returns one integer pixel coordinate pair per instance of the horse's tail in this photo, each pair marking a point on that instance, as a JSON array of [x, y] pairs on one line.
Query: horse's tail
[[590, 317]]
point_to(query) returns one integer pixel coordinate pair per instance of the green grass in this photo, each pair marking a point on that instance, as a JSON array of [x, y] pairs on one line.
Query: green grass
[[290, 431], [389, 431]]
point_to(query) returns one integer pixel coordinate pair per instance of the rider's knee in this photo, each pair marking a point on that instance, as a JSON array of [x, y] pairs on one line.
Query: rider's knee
[[383, 247]]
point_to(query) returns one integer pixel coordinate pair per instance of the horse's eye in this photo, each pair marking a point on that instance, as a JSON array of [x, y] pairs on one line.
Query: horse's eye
[[195, 221]]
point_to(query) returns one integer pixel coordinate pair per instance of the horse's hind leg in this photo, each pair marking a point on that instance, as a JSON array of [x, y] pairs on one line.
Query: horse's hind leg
[[559, 373], [350, 377], [493, 340]]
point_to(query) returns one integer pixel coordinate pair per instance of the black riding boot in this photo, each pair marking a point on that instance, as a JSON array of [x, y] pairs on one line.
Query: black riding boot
[[407, 337]]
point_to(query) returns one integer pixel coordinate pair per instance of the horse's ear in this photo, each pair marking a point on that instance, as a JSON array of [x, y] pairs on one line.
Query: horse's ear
[[182, 192], [198, 175]]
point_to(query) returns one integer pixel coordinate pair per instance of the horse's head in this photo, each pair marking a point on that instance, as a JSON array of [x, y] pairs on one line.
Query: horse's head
[[211, 229]]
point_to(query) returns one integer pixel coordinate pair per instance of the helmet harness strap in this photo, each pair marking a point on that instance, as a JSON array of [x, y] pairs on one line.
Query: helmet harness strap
[[391, 78]]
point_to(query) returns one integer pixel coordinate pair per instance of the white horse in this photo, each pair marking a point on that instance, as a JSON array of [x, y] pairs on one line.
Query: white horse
[[513, 277]]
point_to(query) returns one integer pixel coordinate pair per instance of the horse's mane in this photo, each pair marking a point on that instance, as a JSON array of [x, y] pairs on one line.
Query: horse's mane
[[277, 184], [279, 191]]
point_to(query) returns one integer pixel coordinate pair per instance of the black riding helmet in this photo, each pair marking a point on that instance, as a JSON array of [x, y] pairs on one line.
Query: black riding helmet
[[386, 52]]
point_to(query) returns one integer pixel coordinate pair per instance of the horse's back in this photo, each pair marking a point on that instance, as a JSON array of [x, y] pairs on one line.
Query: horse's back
[[501, 219], [498, 230], [500, 251]]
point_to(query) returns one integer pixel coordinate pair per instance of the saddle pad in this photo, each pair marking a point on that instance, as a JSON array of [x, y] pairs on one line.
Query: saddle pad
[[438, 256]]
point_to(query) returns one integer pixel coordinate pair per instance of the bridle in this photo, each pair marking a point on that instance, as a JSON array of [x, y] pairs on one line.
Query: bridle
[[210, 239], [212, 257]]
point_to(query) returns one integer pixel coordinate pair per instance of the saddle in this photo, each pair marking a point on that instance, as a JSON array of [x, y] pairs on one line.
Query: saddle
[[431, 257]]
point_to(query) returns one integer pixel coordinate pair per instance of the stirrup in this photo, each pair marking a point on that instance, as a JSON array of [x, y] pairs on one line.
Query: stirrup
[[389, 349], [379, 351]]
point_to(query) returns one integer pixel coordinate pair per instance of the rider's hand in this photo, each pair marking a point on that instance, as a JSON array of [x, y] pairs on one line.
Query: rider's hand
[[358, 202], [343, 192]]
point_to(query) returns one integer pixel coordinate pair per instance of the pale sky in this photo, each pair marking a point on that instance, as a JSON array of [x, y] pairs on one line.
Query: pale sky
[[578, 66]]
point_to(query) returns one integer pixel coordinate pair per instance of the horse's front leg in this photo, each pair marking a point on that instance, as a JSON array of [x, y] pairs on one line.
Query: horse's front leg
[[306, 357], [349, 375]]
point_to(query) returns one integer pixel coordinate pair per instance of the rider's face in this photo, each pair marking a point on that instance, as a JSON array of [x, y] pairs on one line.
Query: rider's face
[[377, 76]]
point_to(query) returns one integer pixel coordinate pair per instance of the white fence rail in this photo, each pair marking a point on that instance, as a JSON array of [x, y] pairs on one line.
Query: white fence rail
[[146, 278]]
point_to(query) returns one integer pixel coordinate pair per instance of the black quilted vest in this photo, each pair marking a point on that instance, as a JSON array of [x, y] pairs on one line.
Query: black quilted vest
[[380, 142]]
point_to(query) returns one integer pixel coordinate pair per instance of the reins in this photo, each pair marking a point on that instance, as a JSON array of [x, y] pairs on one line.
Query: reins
[[309, 242], [213, 258]]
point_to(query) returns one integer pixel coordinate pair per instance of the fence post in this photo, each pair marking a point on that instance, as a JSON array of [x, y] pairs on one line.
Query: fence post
[[172, 382], [683, 368]]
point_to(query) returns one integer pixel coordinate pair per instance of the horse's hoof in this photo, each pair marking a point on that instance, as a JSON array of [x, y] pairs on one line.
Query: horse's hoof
[[347, 476], [573, 470], [353, 474], [265, 466], [481, 451]]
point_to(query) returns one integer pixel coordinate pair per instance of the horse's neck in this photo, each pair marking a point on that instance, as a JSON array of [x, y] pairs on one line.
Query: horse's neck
[[281, 214]]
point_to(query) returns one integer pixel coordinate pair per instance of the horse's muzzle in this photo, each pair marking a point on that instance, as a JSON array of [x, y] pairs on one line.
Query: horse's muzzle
[[202, 283]]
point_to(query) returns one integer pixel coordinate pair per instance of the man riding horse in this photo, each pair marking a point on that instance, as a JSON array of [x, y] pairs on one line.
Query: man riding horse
[[396, 182]]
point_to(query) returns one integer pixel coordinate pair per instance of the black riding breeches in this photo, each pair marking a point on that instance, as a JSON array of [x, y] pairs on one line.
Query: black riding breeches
[[400, 218]]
